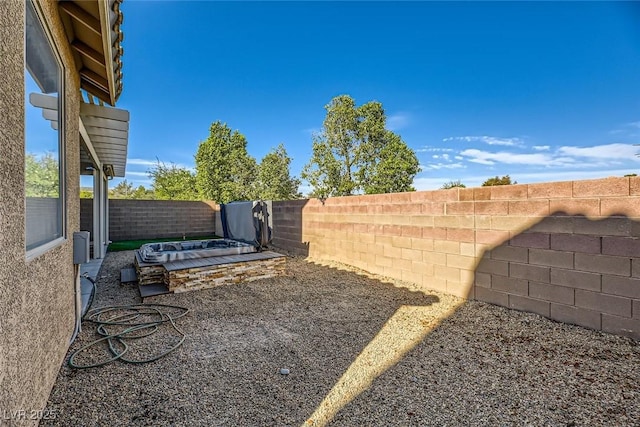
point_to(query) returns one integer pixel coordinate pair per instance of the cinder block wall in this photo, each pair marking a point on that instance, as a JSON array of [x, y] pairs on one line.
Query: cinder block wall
[[148, 219], [86, 215], [569, 251]]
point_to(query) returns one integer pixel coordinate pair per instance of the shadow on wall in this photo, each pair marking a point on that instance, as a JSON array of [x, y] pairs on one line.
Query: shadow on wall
[[287, 226], [569, 268]]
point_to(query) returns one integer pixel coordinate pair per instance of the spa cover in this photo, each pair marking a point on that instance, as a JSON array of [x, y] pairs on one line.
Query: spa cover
[[248, 222]]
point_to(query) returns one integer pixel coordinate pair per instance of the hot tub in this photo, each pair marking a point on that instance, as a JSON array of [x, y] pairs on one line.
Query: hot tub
[[192, 249]]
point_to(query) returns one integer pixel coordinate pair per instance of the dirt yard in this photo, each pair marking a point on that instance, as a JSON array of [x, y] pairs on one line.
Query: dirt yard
[[359, 351]]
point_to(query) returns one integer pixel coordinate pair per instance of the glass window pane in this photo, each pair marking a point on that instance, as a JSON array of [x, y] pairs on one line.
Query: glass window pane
[[42, 137]]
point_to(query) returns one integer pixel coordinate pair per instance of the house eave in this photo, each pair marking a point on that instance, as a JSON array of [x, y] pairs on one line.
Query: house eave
[[94, 35]]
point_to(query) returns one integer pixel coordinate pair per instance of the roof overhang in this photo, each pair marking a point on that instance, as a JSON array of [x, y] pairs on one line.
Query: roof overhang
[[93, 31], [105, 131]]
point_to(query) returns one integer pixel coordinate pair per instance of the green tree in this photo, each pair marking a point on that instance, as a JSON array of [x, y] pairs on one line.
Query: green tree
[[394, 168], [274, 181], [143, 193], [86, 193], [452, 184], [124, 190], [172, 183], [224, 169], [505, 180], [42, 176], [355, 152]]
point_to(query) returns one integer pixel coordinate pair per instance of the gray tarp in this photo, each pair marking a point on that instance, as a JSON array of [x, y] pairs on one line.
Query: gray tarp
[[248, 222]]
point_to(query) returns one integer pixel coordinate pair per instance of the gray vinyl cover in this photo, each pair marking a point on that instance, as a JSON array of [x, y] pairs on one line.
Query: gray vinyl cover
[[240, 221]]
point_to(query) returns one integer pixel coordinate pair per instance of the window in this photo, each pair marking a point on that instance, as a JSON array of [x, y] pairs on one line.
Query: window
[[44, 121]]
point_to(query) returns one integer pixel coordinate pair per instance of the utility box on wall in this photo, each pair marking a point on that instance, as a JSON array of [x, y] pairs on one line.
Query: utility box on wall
[[81, 243]]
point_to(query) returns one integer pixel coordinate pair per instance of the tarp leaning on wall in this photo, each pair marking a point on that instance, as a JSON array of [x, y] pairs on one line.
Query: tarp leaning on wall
[[248, 222]]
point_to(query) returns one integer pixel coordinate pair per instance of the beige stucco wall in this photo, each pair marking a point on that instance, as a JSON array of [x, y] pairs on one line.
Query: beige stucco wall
[[36, 296]]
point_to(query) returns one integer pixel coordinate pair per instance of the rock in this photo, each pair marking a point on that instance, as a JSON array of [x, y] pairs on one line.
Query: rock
[[284, 371]]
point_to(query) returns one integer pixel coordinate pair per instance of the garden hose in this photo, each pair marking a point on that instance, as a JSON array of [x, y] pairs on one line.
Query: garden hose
[[139, 321]]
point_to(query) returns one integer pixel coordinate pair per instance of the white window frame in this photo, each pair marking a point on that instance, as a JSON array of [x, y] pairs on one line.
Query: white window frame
[[45, 247]]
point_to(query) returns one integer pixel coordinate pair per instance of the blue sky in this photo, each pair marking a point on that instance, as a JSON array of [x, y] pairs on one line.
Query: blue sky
[[542, 91]]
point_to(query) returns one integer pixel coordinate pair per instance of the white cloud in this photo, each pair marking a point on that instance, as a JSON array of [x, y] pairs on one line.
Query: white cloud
[[627, 129], [435, 156], [489, 158], [151, 163], [600, 156], [573, 175], [541, 147], [490, 140], [141, 162], [130, 173], [437, 166], [429, 149], [459, 158], [397, 121], [434, 183], [608, 151], [445, 156], [422, 184]]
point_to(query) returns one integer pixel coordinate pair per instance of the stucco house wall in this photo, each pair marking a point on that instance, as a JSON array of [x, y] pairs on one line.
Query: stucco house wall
[[37, 299]]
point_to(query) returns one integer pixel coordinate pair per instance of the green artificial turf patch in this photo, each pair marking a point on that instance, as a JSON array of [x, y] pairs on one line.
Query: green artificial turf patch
[[128, 245]]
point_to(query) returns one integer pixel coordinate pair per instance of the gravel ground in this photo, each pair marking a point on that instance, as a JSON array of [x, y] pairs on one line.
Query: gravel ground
[[360, 350]]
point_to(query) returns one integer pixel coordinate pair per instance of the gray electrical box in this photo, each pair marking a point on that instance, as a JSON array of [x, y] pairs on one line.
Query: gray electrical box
[[81, 247]]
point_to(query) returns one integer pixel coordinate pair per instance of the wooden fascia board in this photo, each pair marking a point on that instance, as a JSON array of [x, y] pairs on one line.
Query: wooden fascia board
[[107, 45], [94, 78], [94, 90], [88, 52], [81, 16]]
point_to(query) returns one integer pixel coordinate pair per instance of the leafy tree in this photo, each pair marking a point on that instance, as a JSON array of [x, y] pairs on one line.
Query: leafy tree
[[274, 181], [452, 184], [394, 170], [124, 190], [171, 183], [86, 193], [224, 169], [505, 180], [323, 171], [42, 176], [355, 152], [143, 193]]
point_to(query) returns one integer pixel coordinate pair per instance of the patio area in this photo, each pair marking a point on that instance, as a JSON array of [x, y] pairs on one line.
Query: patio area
[[359, 350]]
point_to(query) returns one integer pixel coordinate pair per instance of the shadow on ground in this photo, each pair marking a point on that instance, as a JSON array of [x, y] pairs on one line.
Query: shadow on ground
[[360, 351]]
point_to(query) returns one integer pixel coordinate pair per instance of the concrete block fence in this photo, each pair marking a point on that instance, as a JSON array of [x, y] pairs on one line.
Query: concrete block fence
[[149, 219], [569, 251]]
